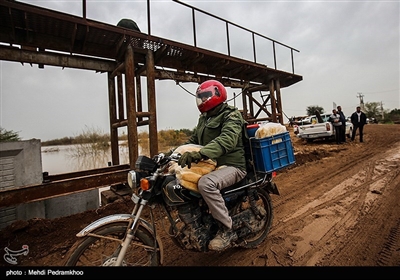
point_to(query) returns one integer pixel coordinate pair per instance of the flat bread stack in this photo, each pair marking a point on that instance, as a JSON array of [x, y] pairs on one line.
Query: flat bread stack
[[270, 129], [188, 178]]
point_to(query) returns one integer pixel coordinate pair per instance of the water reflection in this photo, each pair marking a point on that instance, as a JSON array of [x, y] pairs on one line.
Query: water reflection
[[71, 158]]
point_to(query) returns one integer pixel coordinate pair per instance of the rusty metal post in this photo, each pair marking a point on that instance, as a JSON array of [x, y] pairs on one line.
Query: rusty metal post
[[251, 104], [194, 28], [151, 99], [273, 100], [227, 38], [291, 55], [139, 102], [113, 118], [274, 51], [254, 47], [244, 103], [131, 106], [84, 9], [148, 18], [121, 110], [279, 101]]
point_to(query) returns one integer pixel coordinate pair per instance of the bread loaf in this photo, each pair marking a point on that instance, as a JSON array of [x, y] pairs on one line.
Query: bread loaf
[[189, 177], [189, 185], [270, 129]]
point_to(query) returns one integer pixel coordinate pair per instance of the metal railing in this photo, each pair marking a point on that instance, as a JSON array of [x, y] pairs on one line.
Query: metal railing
[[227, 24]]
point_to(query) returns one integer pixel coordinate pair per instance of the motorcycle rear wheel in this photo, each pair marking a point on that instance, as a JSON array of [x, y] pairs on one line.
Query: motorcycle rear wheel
[[100, 251], [263, 203]]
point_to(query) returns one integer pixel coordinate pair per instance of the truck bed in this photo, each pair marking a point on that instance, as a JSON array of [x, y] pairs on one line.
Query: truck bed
[[313, 129]]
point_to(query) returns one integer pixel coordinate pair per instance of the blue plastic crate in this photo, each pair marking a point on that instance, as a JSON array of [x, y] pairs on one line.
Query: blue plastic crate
[[273, 152]]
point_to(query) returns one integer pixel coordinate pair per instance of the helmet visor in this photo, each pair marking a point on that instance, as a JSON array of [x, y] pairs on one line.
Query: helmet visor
[[203, 96]]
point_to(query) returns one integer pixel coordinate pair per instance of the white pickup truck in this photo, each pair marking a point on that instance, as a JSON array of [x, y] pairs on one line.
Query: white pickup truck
[[311, 129]]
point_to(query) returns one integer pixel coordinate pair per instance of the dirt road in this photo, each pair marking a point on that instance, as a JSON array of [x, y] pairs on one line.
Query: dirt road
[[338, 206]]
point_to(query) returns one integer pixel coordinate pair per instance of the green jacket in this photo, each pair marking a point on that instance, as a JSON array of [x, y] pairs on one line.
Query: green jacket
[[220, 132]]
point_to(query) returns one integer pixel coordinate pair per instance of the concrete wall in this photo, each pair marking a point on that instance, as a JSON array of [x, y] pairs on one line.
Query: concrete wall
[[21, 165]]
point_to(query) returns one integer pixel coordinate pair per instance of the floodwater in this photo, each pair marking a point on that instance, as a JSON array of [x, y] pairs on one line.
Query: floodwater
[[71, 158]]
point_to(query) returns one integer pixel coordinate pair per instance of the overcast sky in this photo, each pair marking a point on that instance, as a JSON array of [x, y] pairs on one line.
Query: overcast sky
[[346, 49]]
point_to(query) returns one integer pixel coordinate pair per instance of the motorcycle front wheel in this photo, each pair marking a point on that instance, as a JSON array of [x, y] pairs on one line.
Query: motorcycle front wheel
[[102, 248]]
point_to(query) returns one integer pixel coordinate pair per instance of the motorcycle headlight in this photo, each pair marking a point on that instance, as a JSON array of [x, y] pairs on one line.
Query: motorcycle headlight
[[132, 179]]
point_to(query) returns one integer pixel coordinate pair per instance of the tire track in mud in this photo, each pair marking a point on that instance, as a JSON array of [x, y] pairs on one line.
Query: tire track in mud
[[363, 156], [290, 194], [279, 249], [364, 239], [391, 246], [369, 226], [266, 254], [366, 211], [355, 200], [322, 213], [254, 257]]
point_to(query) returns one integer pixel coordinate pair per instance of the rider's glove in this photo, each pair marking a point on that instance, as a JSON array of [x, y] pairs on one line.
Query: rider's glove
[[188, 157]]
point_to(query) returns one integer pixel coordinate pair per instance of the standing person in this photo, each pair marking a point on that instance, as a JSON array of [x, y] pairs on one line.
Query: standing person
[[219, 131], [291, 121], [358, 119], [337, 125], [343, 121]]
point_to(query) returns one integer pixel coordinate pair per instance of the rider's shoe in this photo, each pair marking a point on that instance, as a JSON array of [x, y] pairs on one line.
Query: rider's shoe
[[223, 239]]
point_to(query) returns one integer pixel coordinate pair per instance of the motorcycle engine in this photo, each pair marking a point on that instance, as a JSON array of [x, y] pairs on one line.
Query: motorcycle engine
[[195, 233]]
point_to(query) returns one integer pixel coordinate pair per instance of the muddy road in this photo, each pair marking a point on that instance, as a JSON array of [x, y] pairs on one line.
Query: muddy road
[[338, 206]]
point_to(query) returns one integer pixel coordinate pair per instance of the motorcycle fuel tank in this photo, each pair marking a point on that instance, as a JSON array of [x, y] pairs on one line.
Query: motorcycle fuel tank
[[175, 194]]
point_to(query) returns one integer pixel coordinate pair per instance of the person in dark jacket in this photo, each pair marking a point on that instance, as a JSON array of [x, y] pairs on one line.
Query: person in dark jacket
[[343, 121], [334, 118], [219, 131], [358, 119]]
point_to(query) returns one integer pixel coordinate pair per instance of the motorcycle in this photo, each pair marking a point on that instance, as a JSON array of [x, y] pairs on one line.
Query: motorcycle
[[132, 239]]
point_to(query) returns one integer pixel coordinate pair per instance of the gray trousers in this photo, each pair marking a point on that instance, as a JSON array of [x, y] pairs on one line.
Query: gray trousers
[[209, 187]]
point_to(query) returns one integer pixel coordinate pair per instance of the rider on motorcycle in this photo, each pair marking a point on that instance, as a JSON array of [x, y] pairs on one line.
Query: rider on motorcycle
[[219, 131]]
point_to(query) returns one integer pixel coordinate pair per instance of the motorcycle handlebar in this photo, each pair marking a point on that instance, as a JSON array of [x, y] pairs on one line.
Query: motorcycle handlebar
[[175, 157], [162, 159]]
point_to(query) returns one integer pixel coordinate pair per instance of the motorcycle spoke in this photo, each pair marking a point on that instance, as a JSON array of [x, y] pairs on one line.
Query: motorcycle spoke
[[102, 248]]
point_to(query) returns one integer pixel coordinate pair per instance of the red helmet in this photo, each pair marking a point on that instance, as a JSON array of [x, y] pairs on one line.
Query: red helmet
[[209, 94]]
